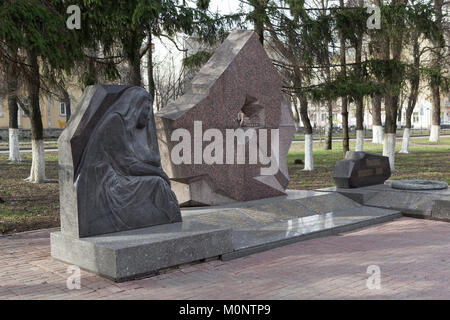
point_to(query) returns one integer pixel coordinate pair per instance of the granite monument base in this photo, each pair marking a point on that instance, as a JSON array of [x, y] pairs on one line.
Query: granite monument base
[[226, 231], [138, 253], [428, 204]]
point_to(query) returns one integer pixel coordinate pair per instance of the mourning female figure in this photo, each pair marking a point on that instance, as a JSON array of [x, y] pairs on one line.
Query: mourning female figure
[[120, 182]]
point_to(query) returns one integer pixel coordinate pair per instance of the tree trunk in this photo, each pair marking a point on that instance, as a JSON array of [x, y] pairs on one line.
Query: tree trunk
[[391, 100], [92, 75], [377, 127], [150, 78], [390, 128], [135, 72], [359, 100], [296, 114], [359, 124], [399, 112], [435, 114], [309, 159], [258, 21], [13, 110], [37, 174], [412, 98], [345, 136], [391, 118], [435, 83], [134, 59], [344, 101], [66, 100], [329, 128]]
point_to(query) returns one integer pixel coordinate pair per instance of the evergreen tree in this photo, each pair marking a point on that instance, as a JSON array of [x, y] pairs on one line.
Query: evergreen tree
[[37, 29]]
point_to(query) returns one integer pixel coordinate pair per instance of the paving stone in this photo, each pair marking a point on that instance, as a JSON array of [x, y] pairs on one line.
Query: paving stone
[[411, 253]]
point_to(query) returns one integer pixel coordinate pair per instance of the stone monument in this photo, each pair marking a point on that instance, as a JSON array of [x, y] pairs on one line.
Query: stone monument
[[119, 216], [239, 91], [110, 173], [360, 169]]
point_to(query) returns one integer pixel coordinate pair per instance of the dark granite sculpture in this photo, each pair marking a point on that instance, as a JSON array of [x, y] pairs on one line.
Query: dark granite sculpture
[[110, 170], [361, 169]]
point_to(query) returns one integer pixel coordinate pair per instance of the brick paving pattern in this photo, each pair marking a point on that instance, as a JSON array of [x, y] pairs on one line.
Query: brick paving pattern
[[413, 256]]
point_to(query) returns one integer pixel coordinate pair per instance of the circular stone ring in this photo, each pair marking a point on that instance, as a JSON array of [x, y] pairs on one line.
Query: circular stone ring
[[417, 184]]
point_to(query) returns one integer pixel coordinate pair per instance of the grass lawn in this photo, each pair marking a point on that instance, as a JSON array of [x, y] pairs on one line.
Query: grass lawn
[[30, 206], [431, 162]]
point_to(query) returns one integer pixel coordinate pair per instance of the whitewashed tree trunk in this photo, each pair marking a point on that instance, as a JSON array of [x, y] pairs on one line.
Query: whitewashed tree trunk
[[359, 140], [405, 140], [296, 126], [377, 132], [309, 159], [389, 149], [37, 173], [14, 151], [434, 133]]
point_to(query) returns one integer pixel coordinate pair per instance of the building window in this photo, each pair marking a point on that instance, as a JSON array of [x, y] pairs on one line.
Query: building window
[[62, 109], [415, 117], [324, 116], [1, 108]]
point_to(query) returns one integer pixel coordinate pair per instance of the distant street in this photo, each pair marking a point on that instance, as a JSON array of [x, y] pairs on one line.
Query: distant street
[[295, 141]]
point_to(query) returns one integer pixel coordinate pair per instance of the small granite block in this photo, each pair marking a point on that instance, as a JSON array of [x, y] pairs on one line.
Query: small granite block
[[360, 169], [137, 253]]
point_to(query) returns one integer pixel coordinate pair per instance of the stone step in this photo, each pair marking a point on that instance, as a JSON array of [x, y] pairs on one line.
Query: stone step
[[430, 204], [320, 225]]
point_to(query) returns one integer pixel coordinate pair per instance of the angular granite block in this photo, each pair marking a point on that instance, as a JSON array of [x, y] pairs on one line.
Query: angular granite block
[[238, 91], [360, 169]]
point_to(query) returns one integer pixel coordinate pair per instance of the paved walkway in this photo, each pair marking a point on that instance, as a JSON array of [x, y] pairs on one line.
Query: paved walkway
[[413, 256]]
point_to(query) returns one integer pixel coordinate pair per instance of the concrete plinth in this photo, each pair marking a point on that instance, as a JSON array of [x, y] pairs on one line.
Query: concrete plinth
[[429, 204], [142, 252]]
